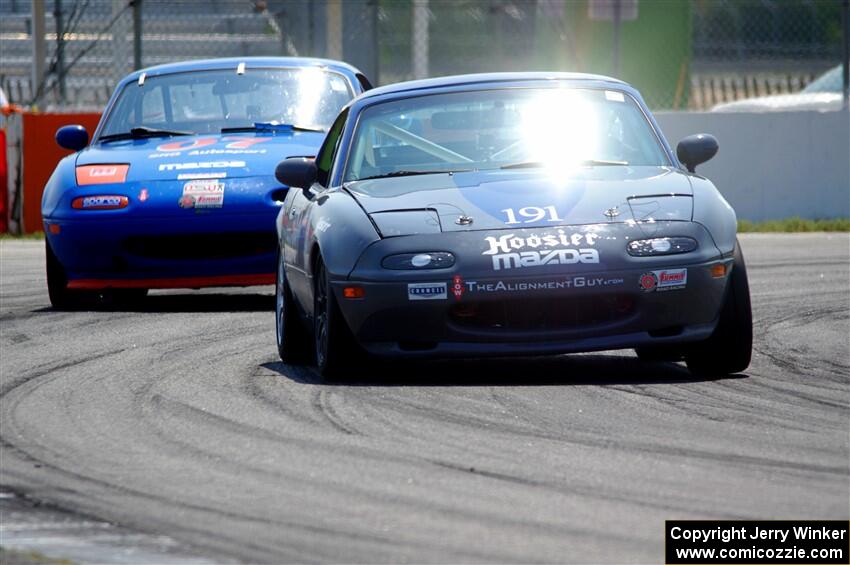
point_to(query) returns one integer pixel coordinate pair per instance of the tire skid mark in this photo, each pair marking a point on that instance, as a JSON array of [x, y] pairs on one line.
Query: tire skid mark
[[352, 489], [188, 411], [637, 446], [587, 492], [322, 404], [49, 368]]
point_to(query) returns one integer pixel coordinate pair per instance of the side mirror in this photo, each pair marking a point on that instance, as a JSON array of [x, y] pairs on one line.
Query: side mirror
[[72, 137], [696, 149], [299, 172]]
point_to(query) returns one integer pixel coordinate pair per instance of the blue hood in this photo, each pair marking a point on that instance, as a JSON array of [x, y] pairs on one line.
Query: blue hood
[[235, 155]]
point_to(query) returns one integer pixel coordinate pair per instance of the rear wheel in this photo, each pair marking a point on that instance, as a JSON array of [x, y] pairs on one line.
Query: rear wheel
[[293, 340], [729, 349], [335, 347], [61, 297]]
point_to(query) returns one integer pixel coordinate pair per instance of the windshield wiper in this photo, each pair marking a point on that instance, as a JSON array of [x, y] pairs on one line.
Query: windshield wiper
[[589, 162], [413, 173], [143, 131], [271, 127]]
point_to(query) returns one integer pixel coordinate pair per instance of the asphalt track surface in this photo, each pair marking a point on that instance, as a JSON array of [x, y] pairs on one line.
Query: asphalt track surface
[[178, 419]]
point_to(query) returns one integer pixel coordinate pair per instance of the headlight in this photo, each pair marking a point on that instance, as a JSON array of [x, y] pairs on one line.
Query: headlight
[[661, 246], [415, 261]]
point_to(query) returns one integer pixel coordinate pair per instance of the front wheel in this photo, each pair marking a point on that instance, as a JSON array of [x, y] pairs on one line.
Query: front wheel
[[729, 349], [335, 346], [61, 297], [293, 340]]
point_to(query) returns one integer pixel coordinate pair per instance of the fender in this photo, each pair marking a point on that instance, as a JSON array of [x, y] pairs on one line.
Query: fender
[[62, 179], [714, 212], [341, 231]]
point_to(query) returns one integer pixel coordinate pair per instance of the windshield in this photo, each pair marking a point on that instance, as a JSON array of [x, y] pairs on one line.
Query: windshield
[[207, 101], [830, 81], [506, 128]]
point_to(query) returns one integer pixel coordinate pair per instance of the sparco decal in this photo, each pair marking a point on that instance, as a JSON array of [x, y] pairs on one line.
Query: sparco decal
[[512, 251], [556, 284], [201, 165]]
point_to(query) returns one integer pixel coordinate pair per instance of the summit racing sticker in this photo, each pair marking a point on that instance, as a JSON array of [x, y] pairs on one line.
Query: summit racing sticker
[[427, 291], [559, 248], [202, 193], [669, 279]]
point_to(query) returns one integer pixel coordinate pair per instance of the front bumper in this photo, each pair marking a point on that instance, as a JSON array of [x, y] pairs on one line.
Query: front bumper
[[126, 252], [541, 309]]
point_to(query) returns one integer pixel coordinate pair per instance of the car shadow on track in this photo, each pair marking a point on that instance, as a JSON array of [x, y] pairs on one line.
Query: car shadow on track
[[186, 302], [586, 369]]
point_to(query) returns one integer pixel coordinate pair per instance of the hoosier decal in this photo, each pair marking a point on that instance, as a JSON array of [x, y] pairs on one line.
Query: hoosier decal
[[202, 193], [513, 252]]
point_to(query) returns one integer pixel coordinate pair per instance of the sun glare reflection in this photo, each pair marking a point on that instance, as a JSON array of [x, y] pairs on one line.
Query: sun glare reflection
[[560, 129]]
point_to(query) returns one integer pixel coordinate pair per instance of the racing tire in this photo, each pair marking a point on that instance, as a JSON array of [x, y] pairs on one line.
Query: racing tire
[[730, 347], [61, 297], [334, 344], [294, 343]]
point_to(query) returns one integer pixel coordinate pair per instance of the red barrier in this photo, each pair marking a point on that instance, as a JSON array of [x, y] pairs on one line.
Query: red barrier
[[4, 184], [40, 156]]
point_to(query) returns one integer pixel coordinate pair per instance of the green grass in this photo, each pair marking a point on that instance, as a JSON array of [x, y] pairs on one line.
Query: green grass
[[36, 235], [794, 224], [15, 557]]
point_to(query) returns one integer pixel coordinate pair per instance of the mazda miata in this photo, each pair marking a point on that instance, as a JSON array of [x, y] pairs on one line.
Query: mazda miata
[[507, 214]]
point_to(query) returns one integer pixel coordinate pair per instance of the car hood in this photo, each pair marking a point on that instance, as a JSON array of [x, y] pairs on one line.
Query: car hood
[[216, 156], [520, 199]]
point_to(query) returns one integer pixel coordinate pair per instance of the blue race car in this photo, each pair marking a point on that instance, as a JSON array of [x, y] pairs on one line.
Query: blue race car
[[177, 188]]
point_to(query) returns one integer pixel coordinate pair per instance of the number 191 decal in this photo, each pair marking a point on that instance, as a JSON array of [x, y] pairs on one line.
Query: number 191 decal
[[532, 214]]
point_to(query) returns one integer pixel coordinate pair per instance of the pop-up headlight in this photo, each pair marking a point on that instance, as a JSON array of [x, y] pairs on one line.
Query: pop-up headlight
[[661, 246], [416, 261]]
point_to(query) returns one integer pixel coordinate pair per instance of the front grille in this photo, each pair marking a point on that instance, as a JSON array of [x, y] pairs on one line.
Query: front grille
[[537, 314], [202, 246]]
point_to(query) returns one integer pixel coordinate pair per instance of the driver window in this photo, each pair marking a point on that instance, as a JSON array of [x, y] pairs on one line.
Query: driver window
[[325, 158]]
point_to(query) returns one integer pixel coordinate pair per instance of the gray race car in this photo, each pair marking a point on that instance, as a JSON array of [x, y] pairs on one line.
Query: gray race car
[[507, 214]]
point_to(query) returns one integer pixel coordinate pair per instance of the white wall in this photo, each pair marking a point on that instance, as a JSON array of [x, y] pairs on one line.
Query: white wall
[[774, 165]]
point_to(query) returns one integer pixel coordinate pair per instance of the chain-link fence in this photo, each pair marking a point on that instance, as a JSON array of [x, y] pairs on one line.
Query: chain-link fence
[[688, 54]]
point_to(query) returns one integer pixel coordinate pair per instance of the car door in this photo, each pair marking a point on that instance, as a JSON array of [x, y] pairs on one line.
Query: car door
[[300, 215]]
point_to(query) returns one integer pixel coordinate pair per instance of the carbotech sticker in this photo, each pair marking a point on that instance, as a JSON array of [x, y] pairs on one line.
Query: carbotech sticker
[[426, 291], [204, 193], [558, 248], [667, 279]]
